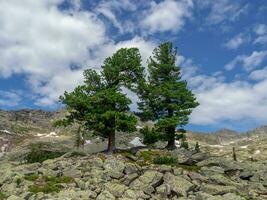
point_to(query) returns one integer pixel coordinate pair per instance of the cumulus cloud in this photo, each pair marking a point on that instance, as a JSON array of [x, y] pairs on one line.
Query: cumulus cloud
[[167, 15], [223, 101], [248, 62], [52, 47], [236, 41]]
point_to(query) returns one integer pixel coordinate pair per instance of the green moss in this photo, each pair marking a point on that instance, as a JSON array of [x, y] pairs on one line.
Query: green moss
[[189, 167], [31, 177], [149, 155], [51, 184], [46, 188], [2, 196], [61, 179]]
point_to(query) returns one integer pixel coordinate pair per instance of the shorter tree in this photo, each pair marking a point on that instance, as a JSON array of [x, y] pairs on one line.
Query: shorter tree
[[99, 104]]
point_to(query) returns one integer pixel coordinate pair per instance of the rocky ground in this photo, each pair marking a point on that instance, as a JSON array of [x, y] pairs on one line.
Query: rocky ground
[[126, 176], [37, 161]]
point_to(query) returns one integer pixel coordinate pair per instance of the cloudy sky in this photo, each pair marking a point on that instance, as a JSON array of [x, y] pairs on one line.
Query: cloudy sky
[[45, 46]]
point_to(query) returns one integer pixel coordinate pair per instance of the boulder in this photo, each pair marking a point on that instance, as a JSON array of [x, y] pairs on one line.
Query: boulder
[[115, 189], [105, 195], [179, 185], [114, 167], [148, 181], [217, 189]]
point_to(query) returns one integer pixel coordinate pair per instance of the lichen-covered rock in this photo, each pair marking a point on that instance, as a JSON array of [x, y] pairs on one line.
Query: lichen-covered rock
[[114, 167], [147, 182], [105, 195], [115, 189], [217, 189], [178, 184]]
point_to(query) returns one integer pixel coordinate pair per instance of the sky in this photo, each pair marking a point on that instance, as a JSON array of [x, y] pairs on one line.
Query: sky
[[222, 51]]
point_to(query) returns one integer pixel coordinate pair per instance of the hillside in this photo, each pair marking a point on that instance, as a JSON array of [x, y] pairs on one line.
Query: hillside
[[38, 161]]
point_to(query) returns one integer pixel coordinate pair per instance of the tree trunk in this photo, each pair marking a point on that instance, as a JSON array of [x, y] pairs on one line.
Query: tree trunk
[[171, 138], [111, 142]]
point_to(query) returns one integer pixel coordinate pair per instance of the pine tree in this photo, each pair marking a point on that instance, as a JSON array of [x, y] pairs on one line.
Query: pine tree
[[100, 104], [197, 148], [164, 96]]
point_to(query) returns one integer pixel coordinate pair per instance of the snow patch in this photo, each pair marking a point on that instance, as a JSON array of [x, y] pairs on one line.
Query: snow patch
[[137, 142]]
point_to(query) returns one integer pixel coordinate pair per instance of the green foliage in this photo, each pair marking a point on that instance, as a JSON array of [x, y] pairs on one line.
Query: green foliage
[[197, 148], [165, 160], [149, 155], [31, 177], [37, 154], [50, 184], [100, 105], [184, 144], [2, 196], [18, 181], [46, 188], [165, 98], [151, 136]]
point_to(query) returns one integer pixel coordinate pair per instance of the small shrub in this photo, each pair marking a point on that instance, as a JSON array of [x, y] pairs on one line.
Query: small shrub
[[18, 181], [31, 177], [165, 160], [37, 154], [197, 148], [184, 144]]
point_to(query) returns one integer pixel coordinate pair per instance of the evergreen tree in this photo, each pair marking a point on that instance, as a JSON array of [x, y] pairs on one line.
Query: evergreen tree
[[164, 96], [99, 104], [197, 148]]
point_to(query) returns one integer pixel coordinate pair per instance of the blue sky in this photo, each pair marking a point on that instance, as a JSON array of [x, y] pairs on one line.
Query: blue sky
[[46, 45]]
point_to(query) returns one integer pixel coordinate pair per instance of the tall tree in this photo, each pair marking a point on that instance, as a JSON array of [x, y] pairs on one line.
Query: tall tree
[[164, 96], [100, 104]]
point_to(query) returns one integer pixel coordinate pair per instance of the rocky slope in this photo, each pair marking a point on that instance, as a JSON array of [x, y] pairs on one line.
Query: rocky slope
[[145, 174], [125, 176]]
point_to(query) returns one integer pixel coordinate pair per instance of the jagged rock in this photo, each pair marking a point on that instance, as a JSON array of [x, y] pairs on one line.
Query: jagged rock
[[105, 195], [115, 189], [217, 189], [178, 185], [74, 173], [147, 182], [164, 190], [127, 179], [131, 168], [114, 167]]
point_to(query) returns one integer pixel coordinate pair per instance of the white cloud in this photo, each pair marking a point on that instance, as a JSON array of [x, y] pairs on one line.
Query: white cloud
[[10, 98], [223, 10], [236, 41], [43, 42], [248, 62], [228, 101], [167, 15], [261, 31], [258, 75], [109, 8]]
